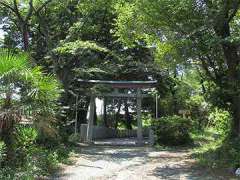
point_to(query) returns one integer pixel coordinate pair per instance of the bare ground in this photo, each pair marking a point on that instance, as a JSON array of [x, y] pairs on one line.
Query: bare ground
[[133, 163]]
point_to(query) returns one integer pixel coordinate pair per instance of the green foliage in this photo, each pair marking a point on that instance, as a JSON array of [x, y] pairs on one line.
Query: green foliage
[[33, 161], [172, 130], [74, 48], [184, 94], [217, 150], [38, 92], [25, 139], [12, 64], [221, 120], [43, 161], [26, 93], [199, 110], [51, 161], [101, 89], [231, 152], [2, 152], [25, 149], [25, 136], [115, 40], [147, 120], [7, 173], [201, 40], [208, 141], [74, 138]]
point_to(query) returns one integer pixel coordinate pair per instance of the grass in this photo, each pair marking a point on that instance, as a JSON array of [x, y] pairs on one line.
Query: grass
[[216, 151], [202, 141], [206, 145], [202, 138], [212, 150]]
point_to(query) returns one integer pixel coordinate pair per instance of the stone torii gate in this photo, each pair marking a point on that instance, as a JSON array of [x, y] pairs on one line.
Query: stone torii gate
[[138, 85]]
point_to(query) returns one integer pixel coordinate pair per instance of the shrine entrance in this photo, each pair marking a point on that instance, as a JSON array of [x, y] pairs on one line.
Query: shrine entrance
[[129, 90]]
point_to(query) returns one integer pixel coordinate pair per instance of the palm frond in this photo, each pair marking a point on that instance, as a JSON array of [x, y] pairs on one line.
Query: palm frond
[[10, 62]]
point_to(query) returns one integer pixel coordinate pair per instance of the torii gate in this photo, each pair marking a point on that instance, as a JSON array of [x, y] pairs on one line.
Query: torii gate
[[138, 85]]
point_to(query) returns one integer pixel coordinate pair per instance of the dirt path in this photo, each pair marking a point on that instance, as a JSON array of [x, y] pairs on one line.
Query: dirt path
[[132, 163]]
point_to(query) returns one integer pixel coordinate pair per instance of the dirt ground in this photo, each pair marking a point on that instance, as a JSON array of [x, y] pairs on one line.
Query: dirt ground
[[103, 162]]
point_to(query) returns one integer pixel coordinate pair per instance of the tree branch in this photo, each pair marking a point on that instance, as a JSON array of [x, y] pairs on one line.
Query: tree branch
[[236, 5], [43, 5], [30, 11], [7, 6], [205, 67], [16, 10]]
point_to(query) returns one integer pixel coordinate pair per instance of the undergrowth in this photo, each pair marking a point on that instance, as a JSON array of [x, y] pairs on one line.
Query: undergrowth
[[217, 151]]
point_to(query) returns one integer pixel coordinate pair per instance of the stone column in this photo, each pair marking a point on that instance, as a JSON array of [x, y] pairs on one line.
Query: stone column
[[105, 111], [76, 116], [151, 137], [139, 118], [156, 106], [90, 119]]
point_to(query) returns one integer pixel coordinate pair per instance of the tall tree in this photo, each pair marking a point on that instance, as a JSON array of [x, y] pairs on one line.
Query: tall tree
[[203, 32], [21, 13], [82, 56]]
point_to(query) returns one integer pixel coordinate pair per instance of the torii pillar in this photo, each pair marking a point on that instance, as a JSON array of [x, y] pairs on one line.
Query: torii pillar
[[139, 118], [90, 118]]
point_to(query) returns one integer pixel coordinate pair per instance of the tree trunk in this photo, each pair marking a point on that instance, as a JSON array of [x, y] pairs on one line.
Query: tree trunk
[[231, 55], [7, 100], [25, 34], [236, 116], [230, 51], [174, 108]]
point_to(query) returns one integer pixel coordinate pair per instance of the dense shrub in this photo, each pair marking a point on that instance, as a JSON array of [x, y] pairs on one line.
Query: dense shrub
[[172, 130], [36, 160], [7, 173], [47, 161], [220, 120], [25, 138], [31, 160], [146, 120], [74, 138]]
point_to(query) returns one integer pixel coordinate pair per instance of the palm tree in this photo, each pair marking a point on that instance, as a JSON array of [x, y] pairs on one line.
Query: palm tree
[[25, 92]]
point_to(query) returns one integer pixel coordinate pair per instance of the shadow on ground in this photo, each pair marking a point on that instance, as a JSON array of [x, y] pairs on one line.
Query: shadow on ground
[[133, 162]]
